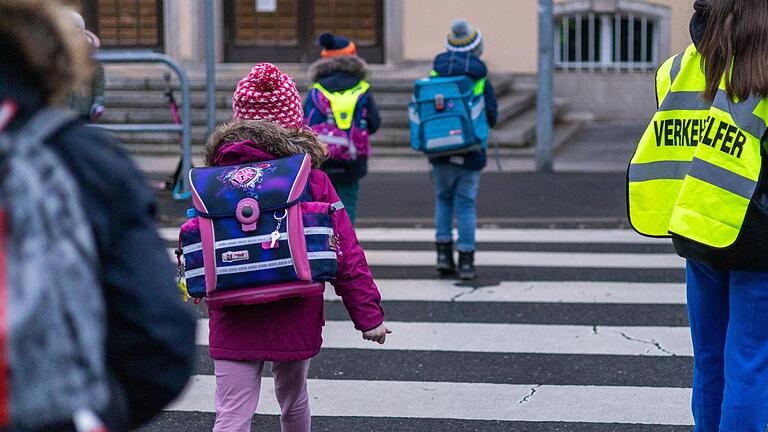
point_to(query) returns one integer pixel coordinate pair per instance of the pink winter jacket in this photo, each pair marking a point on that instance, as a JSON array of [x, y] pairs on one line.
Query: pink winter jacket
[[291, 329]]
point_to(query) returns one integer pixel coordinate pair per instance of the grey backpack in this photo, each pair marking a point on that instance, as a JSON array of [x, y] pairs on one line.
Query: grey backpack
[[55, 308]]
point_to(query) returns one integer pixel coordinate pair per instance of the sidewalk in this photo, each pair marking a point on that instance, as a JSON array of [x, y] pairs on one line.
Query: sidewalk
[[598, 147]]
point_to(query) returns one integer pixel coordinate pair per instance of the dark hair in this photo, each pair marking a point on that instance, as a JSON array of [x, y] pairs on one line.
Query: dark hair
[[736, 37]]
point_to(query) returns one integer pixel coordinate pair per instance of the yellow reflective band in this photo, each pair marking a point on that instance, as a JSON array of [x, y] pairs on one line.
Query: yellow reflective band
[[343, 103], [479, 86]]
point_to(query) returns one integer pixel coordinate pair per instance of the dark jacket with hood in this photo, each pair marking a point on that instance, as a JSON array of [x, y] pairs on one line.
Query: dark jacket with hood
[[750, 252], [150, 334], [452, 63], [336, 74]]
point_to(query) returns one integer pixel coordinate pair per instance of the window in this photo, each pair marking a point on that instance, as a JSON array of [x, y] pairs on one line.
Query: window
[[626, 37]]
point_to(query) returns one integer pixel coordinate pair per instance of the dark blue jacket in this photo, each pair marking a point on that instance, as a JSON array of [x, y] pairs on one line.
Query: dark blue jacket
[[150, 333], [457, 63]]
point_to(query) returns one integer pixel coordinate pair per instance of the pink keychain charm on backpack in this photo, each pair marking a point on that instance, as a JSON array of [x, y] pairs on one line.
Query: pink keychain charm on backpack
[[247, 214]]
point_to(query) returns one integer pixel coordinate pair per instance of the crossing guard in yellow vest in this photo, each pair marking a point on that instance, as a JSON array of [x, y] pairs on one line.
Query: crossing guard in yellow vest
[[697, 165], [665, 151]]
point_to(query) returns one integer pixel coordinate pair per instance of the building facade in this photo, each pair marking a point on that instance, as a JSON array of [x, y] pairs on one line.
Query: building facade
[[603, 48]]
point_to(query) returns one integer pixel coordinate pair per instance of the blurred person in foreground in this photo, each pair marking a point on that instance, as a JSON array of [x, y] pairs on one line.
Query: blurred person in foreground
[[87, 99], [139, 338]]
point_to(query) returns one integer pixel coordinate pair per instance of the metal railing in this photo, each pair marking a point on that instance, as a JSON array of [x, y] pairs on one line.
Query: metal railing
[[185, 128]]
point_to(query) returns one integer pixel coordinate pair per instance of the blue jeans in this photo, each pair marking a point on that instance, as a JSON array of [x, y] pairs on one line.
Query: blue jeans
[[456, 194], [348, 193], [728, 311]]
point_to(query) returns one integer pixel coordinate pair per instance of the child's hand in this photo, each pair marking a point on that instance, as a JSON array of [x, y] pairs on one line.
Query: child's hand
[[379, 334]]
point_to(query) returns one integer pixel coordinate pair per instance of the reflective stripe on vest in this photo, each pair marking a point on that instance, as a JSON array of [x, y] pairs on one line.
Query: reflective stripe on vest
[[663, 156], [724, 173], [343, 103]]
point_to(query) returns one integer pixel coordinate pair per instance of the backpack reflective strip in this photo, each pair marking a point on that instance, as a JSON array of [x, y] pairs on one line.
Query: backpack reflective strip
[[222, 244], [445, 141], [335, 140], [244, 268]]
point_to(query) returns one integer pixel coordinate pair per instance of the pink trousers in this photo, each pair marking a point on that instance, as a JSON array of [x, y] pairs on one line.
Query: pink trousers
[[238, 385]]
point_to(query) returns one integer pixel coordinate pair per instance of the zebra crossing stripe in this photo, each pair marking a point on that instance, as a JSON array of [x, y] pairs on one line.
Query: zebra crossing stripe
[[534, 259], [526, 259], [473, 401], [490, 235], [441, 290], [509, 338]]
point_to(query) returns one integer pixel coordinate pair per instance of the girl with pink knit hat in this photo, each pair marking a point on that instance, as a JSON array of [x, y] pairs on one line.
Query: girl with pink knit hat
[[268, 124]]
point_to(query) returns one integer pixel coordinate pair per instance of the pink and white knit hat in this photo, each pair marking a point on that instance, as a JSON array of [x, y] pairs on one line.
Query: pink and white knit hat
[[266, 93]]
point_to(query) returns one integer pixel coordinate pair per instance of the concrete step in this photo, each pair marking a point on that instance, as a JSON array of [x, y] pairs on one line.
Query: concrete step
[[157, 83], [518, 131], [119, 96], [124, 107]]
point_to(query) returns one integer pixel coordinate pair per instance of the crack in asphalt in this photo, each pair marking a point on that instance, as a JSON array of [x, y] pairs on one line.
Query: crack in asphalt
[[533, 391], [465, 293], [653, 344]]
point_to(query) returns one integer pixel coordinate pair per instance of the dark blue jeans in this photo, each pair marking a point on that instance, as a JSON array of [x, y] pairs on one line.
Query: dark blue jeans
[[728, 312], [456, 195]]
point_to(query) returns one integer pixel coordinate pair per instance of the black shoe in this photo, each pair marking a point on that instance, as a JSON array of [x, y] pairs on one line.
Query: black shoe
[[445, 264], [467, 266]]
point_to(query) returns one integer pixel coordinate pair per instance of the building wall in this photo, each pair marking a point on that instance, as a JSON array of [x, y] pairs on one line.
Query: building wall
[[509, 28]]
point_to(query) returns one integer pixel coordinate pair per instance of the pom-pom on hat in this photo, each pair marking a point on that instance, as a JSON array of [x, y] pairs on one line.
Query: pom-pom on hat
[[336, 45], [266, 93], [465, 38]]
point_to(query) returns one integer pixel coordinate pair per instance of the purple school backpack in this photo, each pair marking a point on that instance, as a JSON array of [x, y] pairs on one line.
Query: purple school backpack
[[339, 122], [257, 237]]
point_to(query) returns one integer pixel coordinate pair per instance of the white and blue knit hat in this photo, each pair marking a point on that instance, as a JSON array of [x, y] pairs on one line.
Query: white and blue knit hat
[[465, 38]]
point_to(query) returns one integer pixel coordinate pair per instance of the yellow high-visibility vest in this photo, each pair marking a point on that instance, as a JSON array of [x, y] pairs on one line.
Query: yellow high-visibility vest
[[343, 103], [666, 149], [724, 172], [698, 164]]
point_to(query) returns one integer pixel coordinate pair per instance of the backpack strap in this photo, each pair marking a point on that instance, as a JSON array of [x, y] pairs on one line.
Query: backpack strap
[[46, 123]]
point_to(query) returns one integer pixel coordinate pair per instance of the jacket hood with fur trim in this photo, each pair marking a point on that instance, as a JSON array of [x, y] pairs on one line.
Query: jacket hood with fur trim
[[270, 137], [347, 63]]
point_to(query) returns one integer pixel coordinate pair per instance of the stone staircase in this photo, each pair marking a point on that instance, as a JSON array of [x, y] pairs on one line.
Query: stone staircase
[[136, 95]]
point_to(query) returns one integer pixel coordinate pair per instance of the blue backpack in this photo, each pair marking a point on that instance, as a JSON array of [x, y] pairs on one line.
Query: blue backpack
[[447, 115]]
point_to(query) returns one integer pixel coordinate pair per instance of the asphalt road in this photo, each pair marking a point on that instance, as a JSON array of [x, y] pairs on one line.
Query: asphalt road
[[603, 376]]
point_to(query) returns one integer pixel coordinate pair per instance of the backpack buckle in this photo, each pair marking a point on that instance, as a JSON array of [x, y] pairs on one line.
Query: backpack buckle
[[247, 214], [439, 102]]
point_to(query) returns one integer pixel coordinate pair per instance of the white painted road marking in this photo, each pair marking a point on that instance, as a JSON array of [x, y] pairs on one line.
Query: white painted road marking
[[473, 401], [527, 259], [442, 290], [488, 235], [509, 338]]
